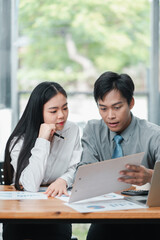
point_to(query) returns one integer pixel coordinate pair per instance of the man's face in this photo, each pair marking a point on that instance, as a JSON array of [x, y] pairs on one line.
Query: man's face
[[115, 111]]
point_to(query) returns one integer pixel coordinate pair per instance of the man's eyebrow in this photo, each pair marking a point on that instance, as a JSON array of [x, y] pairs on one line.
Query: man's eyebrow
[[57, 107], [117, 103], [101, 105]]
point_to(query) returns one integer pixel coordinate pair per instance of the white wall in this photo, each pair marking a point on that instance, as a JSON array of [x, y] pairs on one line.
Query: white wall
[[5, 129]]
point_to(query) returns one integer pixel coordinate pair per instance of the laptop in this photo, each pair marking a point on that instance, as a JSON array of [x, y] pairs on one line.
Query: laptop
[[153, 198]]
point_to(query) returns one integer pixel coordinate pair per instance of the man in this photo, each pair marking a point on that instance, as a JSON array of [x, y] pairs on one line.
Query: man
[[119, 133]]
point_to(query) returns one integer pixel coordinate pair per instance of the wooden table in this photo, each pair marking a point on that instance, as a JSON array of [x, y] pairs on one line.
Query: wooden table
[[53, 210]]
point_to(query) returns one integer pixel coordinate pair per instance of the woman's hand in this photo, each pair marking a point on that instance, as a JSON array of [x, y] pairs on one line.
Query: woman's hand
[[57, 188], [47, 131]]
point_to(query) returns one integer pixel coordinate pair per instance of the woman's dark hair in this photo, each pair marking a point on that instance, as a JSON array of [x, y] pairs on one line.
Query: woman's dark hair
[[109, 81], [28, 129]]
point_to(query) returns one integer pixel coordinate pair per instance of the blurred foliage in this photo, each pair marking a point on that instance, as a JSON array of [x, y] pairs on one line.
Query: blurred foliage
[[80, 230], [111, 35]]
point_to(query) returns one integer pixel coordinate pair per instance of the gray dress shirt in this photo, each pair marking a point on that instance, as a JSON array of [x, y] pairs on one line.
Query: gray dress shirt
[[139, 136]]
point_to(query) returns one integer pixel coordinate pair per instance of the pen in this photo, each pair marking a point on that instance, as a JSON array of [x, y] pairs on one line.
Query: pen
[[56, 134]]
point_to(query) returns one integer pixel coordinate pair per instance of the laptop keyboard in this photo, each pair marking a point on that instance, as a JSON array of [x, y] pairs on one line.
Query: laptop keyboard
[[139, 199]]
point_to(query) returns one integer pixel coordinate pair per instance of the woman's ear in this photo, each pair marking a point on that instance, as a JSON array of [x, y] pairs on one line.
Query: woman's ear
[[131, 105]]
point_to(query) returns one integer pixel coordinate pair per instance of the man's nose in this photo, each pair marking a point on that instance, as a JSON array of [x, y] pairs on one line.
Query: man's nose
[[111, 114]]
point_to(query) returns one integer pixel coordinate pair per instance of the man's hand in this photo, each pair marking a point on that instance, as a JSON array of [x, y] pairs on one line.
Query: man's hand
[[57, 188], [138, 175]]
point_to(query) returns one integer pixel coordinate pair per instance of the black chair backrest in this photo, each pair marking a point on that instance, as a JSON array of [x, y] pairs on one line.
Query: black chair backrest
[[1, 173]]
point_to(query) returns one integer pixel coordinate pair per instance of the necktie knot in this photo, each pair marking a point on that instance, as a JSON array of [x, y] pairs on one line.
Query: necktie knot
[[118, 139]]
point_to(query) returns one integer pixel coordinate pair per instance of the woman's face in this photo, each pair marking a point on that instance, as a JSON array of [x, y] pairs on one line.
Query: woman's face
[[55, 111]]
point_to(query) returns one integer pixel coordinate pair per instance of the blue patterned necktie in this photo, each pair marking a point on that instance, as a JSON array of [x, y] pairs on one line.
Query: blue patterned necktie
[[118, 149]]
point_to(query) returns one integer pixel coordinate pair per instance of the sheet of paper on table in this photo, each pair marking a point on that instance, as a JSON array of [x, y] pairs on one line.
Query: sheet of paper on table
[[105, 197], [109, 205], [106, 202], [19, 195], [42, 189]]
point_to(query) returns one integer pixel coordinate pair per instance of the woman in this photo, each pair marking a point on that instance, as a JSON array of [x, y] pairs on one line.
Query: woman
[[35, 156]]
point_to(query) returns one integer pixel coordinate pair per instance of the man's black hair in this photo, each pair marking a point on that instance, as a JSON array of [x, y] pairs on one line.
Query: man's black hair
[[111, 80]]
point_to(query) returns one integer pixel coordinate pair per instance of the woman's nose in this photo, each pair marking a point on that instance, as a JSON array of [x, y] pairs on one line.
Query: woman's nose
[[60, 114]]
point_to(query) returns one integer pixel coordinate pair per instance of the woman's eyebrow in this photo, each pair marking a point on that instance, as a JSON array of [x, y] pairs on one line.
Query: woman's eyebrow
[[65, 104], [57, 107], [52, 107]]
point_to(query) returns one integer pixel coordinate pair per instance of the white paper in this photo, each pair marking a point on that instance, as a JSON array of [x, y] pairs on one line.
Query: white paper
[[110, 205], [105, 197], [42, 189], [64, 197], [9, 195]]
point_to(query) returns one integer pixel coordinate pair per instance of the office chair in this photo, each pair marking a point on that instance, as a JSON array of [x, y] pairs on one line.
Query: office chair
[[1, 173]]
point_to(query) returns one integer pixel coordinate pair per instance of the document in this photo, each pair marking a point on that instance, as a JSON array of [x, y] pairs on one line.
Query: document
[[106, 202], [105, 197], [98, 206], [95, 184], [19, 195], [102, 177]]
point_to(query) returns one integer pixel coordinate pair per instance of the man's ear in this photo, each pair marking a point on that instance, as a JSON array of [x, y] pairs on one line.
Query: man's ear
[[131, 105]]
